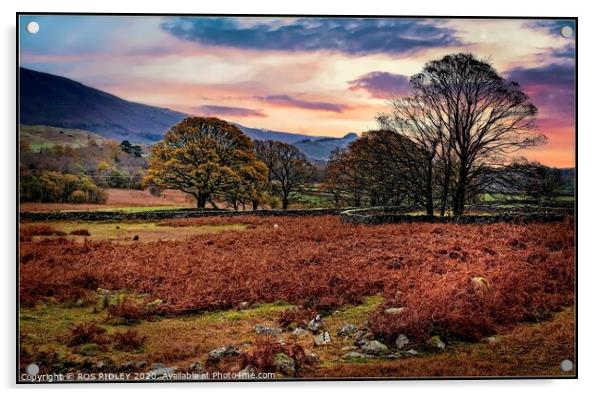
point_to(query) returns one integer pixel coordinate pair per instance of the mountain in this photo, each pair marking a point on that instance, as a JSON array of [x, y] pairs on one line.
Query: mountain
[[49, 100], [320, 149], [46, 99]]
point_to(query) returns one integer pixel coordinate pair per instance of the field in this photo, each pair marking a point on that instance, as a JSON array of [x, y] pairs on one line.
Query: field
[[471, 299], [42, 136]]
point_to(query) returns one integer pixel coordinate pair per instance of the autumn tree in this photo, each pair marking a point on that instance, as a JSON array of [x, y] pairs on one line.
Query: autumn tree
[[204, 157], [288, 169]]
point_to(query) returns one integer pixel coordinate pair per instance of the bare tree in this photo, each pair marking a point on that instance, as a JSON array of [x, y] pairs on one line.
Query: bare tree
[[288, 168]]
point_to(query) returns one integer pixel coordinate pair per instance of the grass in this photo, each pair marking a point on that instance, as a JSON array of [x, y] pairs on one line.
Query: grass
[[43, 137], [527, 349], [126, 231]]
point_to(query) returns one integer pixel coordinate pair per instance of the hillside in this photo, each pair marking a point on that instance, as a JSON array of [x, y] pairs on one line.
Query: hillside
[[54, 101]]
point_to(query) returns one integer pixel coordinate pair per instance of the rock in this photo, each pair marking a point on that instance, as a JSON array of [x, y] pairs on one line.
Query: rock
[[412, 352], [299, 332], [100, 365], [162, 371], [243, 305], [247, 372], [322, 338], [128, 365], [284, 364], [157, 366], [216, 355], [102, 291], [435, 342], [263, 330], [196, 368], [362, 337], [312, 358], [479, 284], [401, 341], [352, 356], [155, 303], [374, 348], [140, 364], [491, 339], [348, 348], [394, 356], [347, 329], [315, 324], [395, 310]]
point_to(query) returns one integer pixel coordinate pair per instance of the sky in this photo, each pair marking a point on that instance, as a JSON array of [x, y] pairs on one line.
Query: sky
[[316, 76]]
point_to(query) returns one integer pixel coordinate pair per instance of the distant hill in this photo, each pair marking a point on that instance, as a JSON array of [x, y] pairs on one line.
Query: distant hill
[[49, 100], [320, 149]]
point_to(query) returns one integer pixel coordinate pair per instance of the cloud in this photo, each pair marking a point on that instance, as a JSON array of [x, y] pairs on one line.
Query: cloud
[[210, 110], [356, 36], [552, 89], [566, 52], [552, 26], [289, 101], [381, 84]]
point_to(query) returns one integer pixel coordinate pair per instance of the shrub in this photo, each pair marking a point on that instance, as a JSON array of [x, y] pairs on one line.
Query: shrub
[[56, 187], [80, 232], [129, 340], [127, 311], [296, 316], [87, 333]]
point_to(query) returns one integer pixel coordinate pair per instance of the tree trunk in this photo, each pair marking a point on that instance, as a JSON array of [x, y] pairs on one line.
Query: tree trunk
[[446, 178], [429, 192], [460, 199], [255, 205], [284, 202], [201, 201]]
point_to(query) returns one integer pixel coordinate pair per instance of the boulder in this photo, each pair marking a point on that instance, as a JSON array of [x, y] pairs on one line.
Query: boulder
[[347, 329], [315, 324], [300, 332], [395, 310], [261, 329], [196, 368], [284, 364], [401, 341], [362, 337], [162, 371], [436, 343], [351, 356], [374, 348], [218, 354], [322, 338], [243, 305]]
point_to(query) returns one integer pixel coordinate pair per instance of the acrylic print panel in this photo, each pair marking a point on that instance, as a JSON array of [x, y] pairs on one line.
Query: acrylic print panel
[[225, 198]]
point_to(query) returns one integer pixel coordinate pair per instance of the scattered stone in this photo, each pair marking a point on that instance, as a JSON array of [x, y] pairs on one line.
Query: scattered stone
[[128, 365], [155, 303], [374, 348], [322, 338], [491, 339], [361, 337], [140, 364], [157, 366], [394, 356], [401, 341], [243, 305], [315, 324], [162, 371], [395, 310], [435, 342], [263, 330], [351, 356], [100, 365], [196, 368], [284, 364], [216, 355], [299, 332], [347, 329], [247, 372], [412, 352], [479, 284]]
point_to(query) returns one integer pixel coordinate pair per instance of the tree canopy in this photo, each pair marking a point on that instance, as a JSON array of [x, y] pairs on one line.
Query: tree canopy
[[205, 157]]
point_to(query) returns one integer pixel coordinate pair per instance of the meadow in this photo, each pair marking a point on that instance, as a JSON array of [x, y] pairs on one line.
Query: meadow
[[118, 295]]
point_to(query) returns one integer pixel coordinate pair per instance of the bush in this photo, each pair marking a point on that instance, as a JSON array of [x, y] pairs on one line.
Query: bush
[[55, 187], [87, 333], [129, 340]]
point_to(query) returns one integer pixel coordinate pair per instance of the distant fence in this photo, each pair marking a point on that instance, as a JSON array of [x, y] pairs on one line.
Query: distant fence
[[381, 215], [166, 214]]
